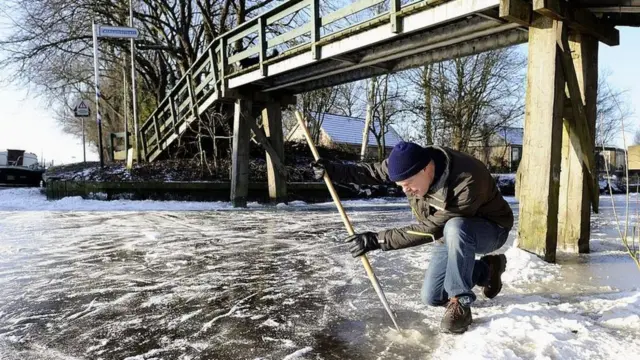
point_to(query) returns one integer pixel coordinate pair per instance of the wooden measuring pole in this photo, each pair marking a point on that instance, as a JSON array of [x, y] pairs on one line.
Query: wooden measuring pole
[[347, 223]]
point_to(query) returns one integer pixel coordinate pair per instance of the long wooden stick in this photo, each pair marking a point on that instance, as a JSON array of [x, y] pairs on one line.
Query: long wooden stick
[[347, 223]]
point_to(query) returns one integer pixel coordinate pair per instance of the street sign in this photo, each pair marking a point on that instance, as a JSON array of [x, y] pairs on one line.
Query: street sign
[[82, 109], [117, 32]]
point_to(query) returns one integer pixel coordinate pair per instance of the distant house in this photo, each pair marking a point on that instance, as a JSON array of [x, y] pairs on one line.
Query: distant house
[[503, 151], [611, 159], [344, 131]]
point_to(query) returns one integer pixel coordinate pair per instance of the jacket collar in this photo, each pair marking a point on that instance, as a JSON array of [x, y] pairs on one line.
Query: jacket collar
[[439, 190]]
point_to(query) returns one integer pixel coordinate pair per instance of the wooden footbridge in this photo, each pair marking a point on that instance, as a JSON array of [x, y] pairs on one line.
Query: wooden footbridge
[[316, 49]]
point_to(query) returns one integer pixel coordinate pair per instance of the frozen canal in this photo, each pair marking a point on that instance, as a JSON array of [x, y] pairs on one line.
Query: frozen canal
[[275, 283]]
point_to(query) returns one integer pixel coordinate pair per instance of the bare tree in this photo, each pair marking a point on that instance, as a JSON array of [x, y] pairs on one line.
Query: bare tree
[[50, 48], [467, 99], [420, 104], [349, 102], [612, 111], [386, 107], [315, 104], [636, 138]]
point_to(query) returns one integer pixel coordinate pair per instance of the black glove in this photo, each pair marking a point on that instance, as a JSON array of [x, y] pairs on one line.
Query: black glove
[[362, 243], [319, 167]]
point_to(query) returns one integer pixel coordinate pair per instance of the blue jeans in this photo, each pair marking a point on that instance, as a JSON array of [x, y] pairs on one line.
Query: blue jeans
[[453, 270]]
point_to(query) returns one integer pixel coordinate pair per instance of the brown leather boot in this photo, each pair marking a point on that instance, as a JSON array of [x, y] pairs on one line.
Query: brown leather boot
[[457, 317], [497, 265]]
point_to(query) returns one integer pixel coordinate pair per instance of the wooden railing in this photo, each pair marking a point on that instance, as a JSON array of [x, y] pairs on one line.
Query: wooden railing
[[297, 25]]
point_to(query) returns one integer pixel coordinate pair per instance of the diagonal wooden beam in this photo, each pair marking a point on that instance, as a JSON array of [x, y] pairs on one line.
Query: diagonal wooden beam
[[579, 120], [262, 139], [578, 19]]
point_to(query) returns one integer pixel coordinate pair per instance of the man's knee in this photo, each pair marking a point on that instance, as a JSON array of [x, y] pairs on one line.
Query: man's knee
[[457, 230]]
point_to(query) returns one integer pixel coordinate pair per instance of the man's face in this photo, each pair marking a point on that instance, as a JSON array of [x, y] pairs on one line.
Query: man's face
[[418, 184]]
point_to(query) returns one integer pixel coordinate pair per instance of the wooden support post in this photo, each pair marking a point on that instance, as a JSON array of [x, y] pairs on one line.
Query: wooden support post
[[574, 202], [579, 122], [240, 155], [539, 172], [272, 123], [223, 66], [213, 66]]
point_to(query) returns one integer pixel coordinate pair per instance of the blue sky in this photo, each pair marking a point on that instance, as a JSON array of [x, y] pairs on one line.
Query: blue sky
[[27, 123]]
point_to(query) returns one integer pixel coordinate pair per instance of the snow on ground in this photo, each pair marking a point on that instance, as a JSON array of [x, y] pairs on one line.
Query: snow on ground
[[82, 280]]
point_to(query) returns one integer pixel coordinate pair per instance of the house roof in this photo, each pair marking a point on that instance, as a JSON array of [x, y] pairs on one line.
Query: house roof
[[512, 135], [348, 130]]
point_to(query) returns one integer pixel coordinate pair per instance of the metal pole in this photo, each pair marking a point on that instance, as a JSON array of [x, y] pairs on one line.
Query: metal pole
[[133, 87], [84, 147], [97, 82], [347, 223], [126, 109]]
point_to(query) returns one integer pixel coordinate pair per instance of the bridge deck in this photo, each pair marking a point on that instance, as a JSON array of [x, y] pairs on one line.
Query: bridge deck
[[298, 47]]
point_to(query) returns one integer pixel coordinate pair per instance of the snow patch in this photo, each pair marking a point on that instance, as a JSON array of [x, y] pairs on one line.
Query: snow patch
[[298, 354], [524, 267], [270, 323]]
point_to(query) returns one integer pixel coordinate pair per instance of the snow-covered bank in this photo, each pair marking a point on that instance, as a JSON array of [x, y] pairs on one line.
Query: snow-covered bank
[[31, 199]]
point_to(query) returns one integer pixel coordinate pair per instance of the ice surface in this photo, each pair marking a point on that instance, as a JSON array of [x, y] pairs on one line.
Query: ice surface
[[157, 282]]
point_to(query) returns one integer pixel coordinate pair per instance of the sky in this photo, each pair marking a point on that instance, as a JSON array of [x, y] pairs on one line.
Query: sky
[[27, 123]]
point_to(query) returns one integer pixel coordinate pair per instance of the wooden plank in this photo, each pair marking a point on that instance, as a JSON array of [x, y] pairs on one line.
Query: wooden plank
[[282, 38], [396, 26], [578, 19], [284, 13], [583, 21], [240, 153], [315, 29], [348, 10], [213, 61], [579, 122], [574, 213], [517, 11], [243, 33], [223, 66], [277, 178], [262, 46], [244, 54], [193, 102], [539, 173], [208, 81]]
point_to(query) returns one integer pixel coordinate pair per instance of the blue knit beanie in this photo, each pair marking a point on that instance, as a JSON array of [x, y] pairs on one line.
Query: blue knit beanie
[[407, 159]]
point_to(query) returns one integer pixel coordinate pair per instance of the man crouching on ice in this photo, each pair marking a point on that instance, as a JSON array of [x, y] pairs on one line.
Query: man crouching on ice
[[454, 197]]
